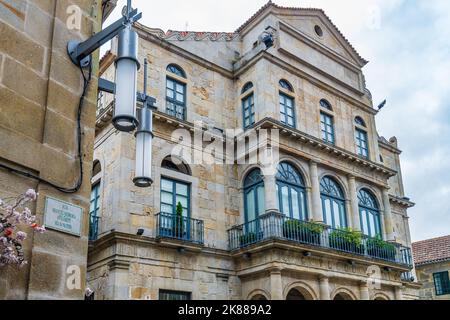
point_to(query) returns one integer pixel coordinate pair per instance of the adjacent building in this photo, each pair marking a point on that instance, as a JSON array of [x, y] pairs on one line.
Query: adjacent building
[[432, 261], [330, 223], [40, 91]]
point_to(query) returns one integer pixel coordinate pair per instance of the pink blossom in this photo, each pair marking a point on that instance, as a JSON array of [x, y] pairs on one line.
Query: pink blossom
[[31, 194], [21, 236]]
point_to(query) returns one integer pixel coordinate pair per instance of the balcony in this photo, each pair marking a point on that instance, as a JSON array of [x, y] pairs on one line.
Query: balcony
[[178, 228], [93, 227], [275, 226]]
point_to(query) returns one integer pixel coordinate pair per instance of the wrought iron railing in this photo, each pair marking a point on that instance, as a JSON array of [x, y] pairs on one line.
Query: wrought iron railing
[[278, 226], [178, 227], [93, 227]]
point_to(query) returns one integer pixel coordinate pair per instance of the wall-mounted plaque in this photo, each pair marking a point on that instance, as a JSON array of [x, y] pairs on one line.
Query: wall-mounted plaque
[[63, 216]]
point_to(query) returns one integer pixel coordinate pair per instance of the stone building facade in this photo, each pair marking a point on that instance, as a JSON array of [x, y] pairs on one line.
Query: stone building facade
[[432, 261], [243, 235], [40, 90]]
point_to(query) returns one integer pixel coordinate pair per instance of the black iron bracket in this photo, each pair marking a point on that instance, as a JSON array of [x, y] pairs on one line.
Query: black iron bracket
[[80, 52]]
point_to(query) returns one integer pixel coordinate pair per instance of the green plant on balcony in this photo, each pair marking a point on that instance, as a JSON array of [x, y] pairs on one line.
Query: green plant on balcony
[[247, 238], [179, 223], [308, 232], [346, 239], [378, 248]]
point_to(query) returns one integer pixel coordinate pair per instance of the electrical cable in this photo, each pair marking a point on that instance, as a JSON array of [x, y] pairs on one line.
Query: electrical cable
[[76, 188]]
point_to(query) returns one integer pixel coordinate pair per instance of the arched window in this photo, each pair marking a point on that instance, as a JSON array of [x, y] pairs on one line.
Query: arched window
[[247, 87], [287, 111], [173, 68], [369, 214], [362, 146], [176, 93], [178, 166], [254, 195], [96, 168], [248, 106], [294, 294], [333, 203], [291, 192], [326, 105], [286, 85], [360, 122]]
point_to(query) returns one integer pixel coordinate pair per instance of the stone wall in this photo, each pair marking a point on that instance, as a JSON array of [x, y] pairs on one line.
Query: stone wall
[[39, 94], [425, 276]]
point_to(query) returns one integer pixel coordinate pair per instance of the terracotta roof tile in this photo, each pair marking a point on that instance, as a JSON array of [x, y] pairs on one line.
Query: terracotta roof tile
[[431, 250]]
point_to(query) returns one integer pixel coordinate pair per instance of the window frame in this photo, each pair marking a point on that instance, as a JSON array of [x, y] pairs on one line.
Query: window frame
[[252, 113], [359, 148], [339, 200], [285, 96], [174, 101], [96, 201], [162, 292], [324, 126], [174, 194], [300, 188], [370, 213], [444, 284], [253, 187]]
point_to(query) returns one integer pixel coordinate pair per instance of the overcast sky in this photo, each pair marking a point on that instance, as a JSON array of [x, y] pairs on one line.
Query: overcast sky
[[408, 45]]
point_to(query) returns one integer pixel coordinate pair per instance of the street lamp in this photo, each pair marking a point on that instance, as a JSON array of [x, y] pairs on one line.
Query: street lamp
[[144, 139], [126, 81]]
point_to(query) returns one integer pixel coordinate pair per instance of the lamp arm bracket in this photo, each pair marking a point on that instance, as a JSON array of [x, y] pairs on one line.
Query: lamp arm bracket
[[80, 52]]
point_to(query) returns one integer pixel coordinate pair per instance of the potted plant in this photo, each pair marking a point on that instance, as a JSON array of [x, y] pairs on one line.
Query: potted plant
[[378, 248], [247, 238], [178, 226], [346, 239], [308, 232]]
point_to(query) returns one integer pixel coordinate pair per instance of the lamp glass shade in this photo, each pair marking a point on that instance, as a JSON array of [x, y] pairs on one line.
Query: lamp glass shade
[[125, 104], [143, 158]]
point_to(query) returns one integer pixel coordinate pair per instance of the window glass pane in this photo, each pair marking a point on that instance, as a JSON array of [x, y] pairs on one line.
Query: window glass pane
[[182, 189], [278, 196], [364, 226], [250, 202], [328, 217], [166, 197], [166, 185], [261, 201], [336, 212], [295, 204], [170, 84], [180, 88], [166, 208], [184, 202], [285, 200]]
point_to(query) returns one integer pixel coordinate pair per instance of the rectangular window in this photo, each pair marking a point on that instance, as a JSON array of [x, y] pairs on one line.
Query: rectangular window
[[287, 114], [95, 201], [174, 295], [441, 283], [248, 107], [327, 127], [173, 192], [361, 143], [176, 99]]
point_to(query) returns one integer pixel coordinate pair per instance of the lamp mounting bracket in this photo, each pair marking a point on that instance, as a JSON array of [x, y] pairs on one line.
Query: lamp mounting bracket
[[80, 52]]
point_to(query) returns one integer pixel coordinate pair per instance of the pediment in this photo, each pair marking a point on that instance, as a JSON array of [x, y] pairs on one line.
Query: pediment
[[304, 20]]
